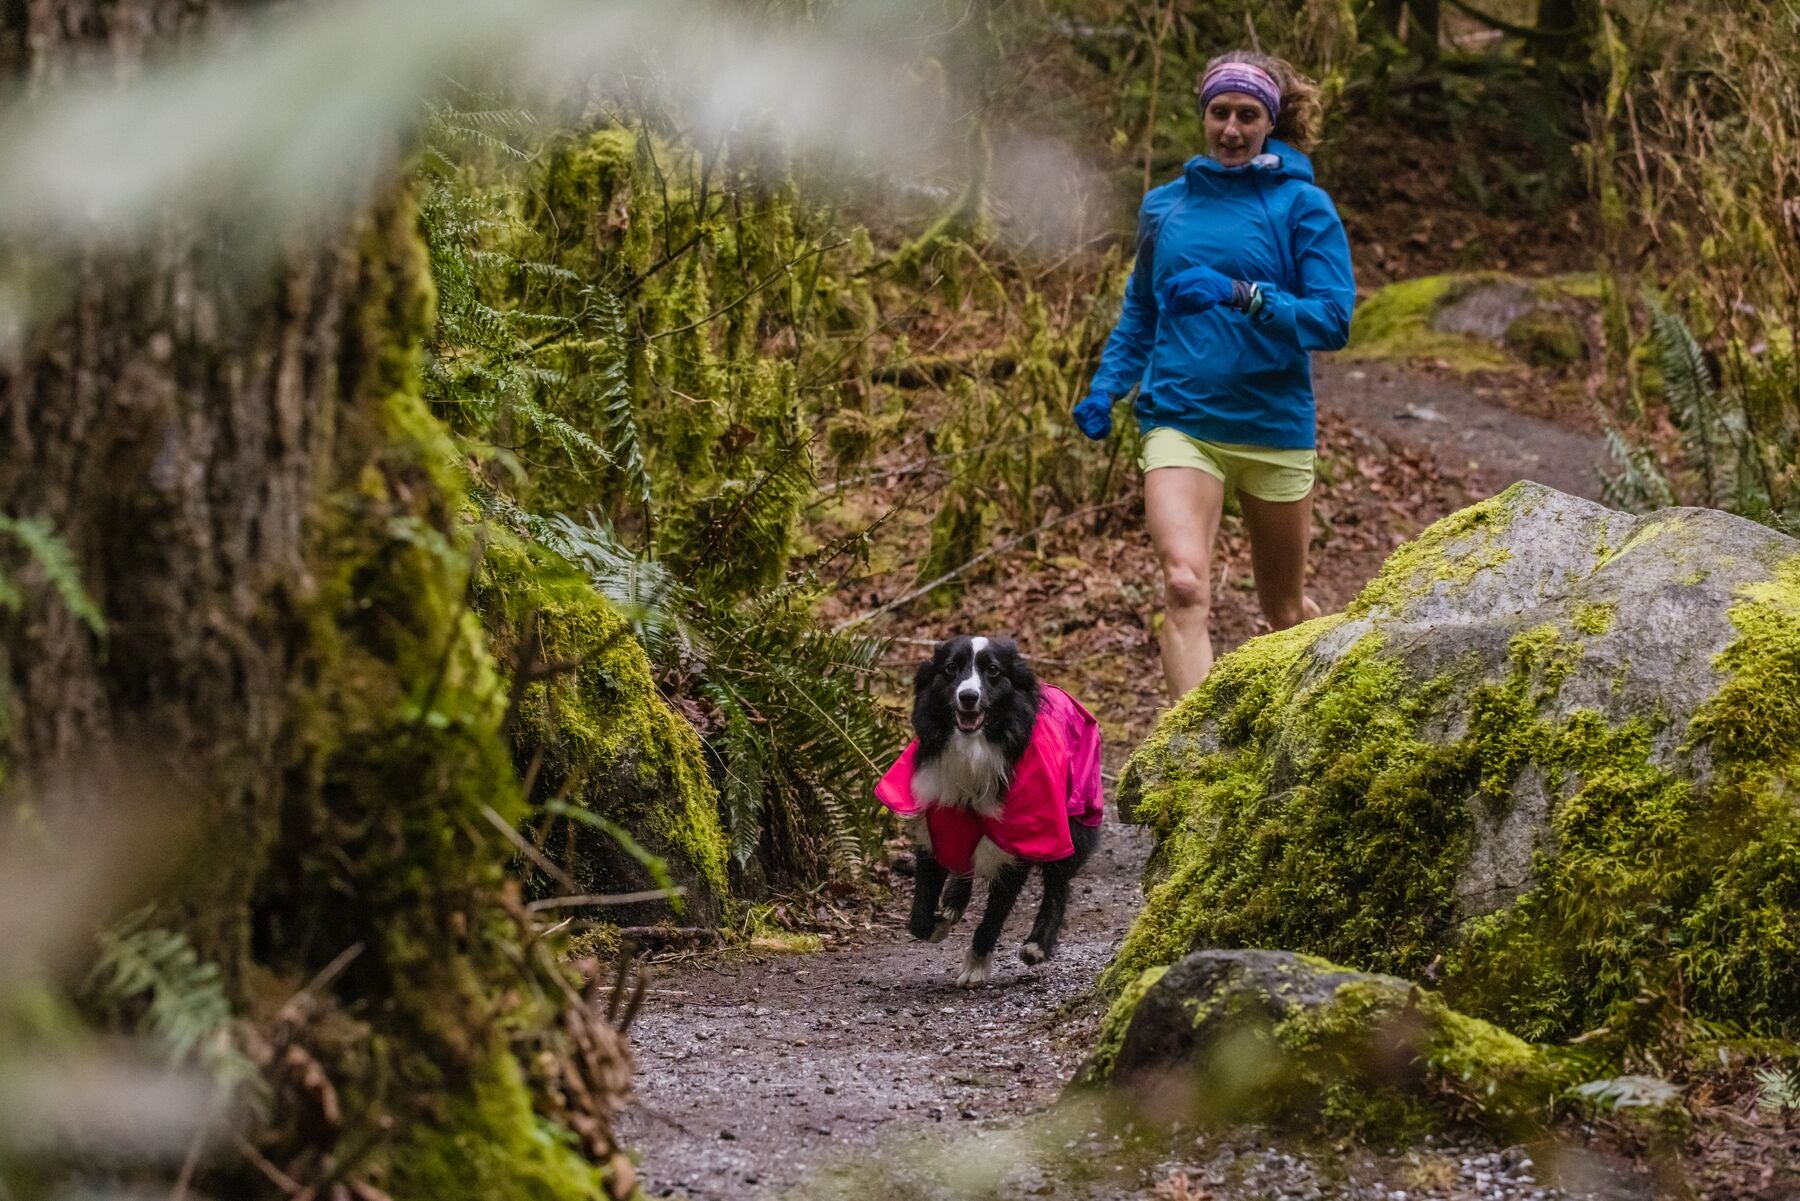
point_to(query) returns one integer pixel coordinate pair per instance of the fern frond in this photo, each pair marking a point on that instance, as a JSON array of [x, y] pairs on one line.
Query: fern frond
[[613, 393], [57, 561], [651, 599], [1778, 1089], [185, 1011], [797, 721], [1688, 385], [1640, 484], [743, 757]]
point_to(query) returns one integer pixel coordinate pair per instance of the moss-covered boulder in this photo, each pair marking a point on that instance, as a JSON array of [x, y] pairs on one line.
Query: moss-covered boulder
[[597, 740], [1277, 1037], [1477, 321], [1555, 745], [1548, 336]]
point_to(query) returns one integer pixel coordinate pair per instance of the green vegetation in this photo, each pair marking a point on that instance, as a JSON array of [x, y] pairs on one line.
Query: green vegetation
[[1447, 556], [1692, 153], [1472, 1071], [622, 351], [1401, 322]]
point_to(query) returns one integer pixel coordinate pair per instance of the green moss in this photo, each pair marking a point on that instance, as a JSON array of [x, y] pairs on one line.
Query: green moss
[[678, 370], [1395, 323], [1589, 286], [398, 760], [1112, 1027], [1323, 822], [488, 1145], [1660, 883], [1753, 723], [604, 735], [1596, 619], [1548, 337], [1392, 1064], [1450, 553]]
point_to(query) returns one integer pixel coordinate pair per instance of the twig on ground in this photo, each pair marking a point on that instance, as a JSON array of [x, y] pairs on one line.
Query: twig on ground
[[280, 1179], [530, 852], [610, 898]]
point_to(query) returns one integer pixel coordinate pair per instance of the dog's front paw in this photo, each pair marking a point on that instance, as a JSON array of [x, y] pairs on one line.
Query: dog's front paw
[[1032, 953], [975, 971], [946, 921]]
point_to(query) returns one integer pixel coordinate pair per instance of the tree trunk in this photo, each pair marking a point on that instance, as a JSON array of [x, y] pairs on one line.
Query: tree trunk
[[175, 425], [1566, 33], [1421, 20], [257, 500]]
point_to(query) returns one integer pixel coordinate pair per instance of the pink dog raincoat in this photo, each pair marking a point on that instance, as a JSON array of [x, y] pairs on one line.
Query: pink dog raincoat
[[1057, 778]]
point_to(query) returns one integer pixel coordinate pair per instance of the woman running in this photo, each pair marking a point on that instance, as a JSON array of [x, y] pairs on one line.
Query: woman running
[[1242, 272]]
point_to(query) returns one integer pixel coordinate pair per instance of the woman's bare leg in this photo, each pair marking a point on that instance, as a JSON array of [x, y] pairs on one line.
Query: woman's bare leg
[[1280, 532], [1182, 507]]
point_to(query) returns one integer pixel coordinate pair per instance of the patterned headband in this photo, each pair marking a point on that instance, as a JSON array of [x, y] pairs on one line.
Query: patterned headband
[[1242, 77]]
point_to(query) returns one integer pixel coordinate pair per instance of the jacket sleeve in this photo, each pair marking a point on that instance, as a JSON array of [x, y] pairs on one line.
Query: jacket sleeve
[[1318, 318], [1128, 349]]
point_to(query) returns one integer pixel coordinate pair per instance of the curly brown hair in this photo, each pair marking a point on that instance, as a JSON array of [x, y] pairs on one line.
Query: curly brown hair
[[1302, 112]]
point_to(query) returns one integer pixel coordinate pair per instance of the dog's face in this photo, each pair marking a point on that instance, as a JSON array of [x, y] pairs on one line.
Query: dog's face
[[966, 681]]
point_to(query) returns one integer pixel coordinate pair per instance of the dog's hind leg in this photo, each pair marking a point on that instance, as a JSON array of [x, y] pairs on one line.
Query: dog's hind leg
[[950, 909], [1057, 879], [928, 883], [1003, 892]]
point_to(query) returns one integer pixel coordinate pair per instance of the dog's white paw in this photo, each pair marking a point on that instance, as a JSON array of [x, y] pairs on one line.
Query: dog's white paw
[[1032, 953], [946, 921], [975, 971]]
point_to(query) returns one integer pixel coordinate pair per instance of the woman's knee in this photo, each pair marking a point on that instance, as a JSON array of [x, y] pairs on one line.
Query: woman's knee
[[1186, 589]]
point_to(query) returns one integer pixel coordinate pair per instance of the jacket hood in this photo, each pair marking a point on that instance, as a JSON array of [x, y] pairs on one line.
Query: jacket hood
[[1278, 161]]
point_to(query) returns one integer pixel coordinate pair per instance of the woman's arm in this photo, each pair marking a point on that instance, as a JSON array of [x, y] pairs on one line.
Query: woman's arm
[[1319, 317], [1128, 349]]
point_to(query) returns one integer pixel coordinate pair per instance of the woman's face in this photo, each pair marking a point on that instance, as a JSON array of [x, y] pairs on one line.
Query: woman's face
[[1237, 125]]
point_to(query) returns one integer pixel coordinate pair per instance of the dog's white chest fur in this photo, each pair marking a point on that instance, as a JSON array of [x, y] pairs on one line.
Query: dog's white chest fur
[[970, 773]]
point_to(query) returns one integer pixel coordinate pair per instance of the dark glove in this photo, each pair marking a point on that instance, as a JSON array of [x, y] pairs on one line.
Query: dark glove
[[1094, 416], [1200, 288]]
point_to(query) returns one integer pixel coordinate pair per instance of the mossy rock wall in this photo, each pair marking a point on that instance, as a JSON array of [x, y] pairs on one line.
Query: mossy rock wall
[[1556, 745], [601, 737]]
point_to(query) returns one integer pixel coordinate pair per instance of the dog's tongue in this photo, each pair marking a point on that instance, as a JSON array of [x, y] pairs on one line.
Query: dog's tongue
[[968, 723]]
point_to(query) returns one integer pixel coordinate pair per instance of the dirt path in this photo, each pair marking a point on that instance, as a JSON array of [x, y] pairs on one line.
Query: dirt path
[[754, 1073], [1469, 433]]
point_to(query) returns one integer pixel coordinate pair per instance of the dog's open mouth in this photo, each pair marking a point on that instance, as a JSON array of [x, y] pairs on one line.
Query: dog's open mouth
[[969, 722]]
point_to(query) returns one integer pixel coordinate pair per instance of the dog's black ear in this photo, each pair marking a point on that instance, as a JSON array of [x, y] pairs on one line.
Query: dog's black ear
[[931, 666], [1018, 667]]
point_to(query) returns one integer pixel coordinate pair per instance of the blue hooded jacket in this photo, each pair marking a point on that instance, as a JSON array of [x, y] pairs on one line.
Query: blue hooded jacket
[[1221, 376]]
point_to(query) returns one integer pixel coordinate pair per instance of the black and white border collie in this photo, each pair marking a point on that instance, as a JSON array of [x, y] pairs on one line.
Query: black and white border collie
[[975, 704]]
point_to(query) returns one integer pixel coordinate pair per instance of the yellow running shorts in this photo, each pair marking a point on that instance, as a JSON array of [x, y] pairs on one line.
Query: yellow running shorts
[[1261, 471]]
